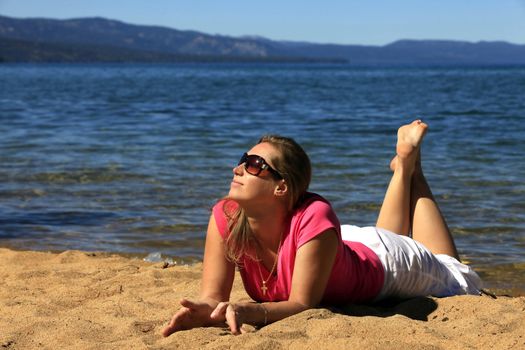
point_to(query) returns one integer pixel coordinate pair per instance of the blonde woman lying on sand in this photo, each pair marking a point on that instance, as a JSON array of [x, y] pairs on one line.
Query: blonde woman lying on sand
[[293, 254]]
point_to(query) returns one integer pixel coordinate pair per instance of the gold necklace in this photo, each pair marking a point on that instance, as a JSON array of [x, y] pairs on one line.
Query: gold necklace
[[264, 288]]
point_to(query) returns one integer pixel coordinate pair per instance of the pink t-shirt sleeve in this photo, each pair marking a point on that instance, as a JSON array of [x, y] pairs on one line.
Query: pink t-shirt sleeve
[[220, 216], [316, 218]]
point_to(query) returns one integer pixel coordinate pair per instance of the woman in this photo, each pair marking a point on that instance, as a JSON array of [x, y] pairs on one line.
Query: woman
[[292, 255]]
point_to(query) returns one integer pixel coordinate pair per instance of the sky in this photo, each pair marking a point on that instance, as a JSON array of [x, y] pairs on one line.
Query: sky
[[372, 22]]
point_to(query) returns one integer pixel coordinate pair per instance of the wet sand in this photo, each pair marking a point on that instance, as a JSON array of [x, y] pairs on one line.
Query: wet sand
[[79, 300]]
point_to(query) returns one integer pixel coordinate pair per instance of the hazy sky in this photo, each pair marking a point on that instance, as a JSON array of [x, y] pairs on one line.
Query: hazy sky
[[374, 22]]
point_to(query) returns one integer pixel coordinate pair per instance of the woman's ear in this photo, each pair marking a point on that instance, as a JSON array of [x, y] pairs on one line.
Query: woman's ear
[[281, 189]]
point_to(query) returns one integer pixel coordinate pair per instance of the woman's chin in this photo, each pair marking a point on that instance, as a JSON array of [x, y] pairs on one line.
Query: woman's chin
[[234, 193]]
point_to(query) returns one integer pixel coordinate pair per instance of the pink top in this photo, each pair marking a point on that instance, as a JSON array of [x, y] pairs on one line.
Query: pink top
[[357, 275]]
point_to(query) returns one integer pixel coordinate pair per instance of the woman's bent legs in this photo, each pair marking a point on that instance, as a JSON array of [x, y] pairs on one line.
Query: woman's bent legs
[[409, 205], [394, 215], [428, 224]]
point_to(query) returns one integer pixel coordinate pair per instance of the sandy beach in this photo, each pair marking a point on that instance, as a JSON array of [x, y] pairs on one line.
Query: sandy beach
[[80, 300]]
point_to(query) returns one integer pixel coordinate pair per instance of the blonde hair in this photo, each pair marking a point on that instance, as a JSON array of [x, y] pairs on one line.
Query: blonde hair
[[293, 164]]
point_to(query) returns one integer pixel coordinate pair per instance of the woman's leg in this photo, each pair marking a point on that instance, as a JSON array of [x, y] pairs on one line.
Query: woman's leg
[[428, 224], [421, 215], [395, 211]]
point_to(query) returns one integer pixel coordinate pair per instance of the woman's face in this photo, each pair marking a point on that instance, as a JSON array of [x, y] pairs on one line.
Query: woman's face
[[251, 189]]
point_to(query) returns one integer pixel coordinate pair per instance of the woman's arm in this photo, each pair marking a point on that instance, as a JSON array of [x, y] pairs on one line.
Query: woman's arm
[[217, 280], [312, 269], [218, 272]]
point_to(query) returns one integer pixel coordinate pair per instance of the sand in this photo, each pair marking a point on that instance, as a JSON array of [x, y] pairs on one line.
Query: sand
[[79, 300]]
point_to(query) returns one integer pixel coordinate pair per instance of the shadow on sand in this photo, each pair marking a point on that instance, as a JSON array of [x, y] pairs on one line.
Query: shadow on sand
[[416, 308]]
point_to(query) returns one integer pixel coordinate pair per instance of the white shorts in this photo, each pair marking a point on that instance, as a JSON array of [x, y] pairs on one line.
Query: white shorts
[[411, 270]]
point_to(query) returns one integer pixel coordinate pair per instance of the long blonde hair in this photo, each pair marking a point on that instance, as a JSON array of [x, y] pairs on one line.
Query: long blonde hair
[[293, 164]]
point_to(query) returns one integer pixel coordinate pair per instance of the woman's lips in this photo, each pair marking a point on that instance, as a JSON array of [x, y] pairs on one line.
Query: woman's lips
[[236, 183]]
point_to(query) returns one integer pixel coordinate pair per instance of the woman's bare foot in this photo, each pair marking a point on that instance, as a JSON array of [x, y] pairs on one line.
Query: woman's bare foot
[[409, 138]]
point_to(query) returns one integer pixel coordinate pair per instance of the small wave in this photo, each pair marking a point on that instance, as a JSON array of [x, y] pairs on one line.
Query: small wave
[[86, 176], [467, 112], [55, 218]]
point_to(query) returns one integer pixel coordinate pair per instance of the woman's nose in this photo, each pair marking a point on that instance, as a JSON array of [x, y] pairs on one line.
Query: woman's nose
[[238, 170]]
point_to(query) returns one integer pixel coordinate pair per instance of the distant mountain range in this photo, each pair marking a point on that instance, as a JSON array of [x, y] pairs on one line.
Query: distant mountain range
[[105, 40]]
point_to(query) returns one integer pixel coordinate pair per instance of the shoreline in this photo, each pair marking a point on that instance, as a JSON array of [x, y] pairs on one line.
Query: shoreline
[[505, 285], [86, 300]]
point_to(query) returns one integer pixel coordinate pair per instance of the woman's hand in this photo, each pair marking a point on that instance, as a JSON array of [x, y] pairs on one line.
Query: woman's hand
[[235, 315], [192, 314], [216, 285], [202, 313]]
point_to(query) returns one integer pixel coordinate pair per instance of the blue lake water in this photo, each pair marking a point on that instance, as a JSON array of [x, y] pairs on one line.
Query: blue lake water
[[130, 158]]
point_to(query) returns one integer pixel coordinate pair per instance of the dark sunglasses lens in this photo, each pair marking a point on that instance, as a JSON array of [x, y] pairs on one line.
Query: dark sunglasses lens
[[253, 164]]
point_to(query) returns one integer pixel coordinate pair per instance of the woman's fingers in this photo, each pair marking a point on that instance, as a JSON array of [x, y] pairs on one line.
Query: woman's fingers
[[220, 311], [175, 322], [232, 319], [169, 329], [228, 312], [223, 312], [188, 303]]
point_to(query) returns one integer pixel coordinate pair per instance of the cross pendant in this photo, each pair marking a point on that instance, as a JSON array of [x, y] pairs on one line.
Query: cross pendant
[[264, 288]]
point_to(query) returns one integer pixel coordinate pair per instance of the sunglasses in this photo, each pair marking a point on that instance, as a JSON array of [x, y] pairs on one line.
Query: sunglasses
[[254, 164]]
